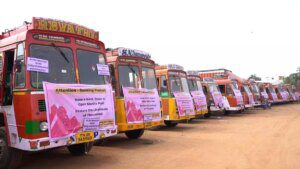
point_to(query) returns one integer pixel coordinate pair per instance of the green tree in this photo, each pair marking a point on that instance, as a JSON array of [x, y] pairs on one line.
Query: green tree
[[255, 77], [293, 79]]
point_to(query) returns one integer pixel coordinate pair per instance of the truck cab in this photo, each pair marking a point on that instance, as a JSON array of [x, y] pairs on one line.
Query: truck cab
[[44, 50], [174, 90], [132, 74], [215, 100], [255, 92], [271, 93]]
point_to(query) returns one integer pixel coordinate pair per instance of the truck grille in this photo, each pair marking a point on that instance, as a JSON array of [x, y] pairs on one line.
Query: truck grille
[[42, 105]]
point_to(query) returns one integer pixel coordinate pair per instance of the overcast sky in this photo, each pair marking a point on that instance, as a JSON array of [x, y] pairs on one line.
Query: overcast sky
[[247, 37]]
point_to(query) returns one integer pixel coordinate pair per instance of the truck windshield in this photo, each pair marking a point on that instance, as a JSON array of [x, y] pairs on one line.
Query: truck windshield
[[254, 88], [175, 84], [194, 85], [213, 87], [246, 88], [185, 85], [149, 78], [271, 89], [235, 85], [129, 76], [87, 67], [61, 68]]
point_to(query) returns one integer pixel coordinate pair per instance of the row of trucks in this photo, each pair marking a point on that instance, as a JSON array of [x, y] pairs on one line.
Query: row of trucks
[[60, 86]]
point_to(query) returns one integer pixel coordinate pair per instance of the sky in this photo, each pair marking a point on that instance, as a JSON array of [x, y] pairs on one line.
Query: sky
[[259, 37]]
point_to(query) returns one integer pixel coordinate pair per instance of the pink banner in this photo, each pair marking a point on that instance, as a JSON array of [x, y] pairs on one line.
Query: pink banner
[[184, 103], [238, 96], [297, 94], [265, 95], [217, 97], [141, 105], [199, 100], [284, 96], [75, 108], [274, 97], [251, 98]]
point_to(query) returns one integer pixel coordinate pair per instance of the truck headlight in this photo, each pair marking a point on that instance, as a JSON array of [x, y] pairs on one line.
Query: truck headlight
[[43, 126]]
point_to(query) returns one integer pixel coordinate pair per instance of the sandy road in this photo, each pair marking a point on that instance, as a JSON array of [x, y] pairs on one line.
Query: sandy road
[[257, 139]]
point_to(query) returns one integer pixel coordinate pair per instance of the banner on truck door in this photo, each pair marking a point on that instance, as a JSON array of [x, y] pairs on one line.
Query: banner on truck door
[[217, 97], [265, 95], [251, 98], [141, 105], [199, 100], [238, 96], [284, 96], [274, 96], [76, 108], [184, 103]]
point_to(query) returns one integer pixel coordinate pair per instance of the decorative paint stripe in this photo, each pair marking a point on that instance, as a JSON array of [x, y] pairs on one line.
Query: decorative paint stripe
[[37, 92], [19, 93]]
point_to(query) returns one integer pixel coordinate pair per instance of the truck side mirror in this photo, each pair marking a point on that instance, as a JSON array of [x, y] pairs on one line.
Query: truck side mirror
[[18, 65]]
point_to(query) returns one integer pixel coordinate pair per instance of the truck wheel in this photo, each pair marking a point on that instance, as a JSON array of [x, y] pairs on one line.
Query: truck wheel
[[207, 115], [170, 123], [9, 157], [134, 134], [80, 149], [226, 112]]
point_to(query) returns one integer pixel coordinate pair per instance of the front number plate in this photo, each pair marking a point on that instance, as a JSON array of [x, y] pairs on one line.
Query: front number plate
[[84, 137]]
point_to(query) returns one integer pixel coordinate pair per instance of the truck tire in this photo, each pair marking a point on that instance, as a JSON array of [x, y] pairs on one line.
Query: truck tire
[[80, 149], [134, 134], [170, 123], [10, 157], [207, 115]]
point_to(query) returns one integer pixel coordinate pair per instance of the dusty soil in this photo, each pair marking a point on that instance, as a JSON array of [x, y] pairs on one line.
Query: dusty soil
[[257, 139]]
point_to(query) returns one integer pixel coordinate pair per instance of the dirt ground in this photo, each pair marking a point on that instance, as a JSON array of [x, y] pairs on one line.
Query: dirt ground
[[257, 139]]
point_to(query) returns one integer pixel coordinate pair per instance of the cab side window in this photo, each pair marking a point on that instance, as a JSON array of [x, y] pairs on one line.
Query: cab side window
[[20, 67], [205, 90], [163, 86], [222, 89], [229, 90]]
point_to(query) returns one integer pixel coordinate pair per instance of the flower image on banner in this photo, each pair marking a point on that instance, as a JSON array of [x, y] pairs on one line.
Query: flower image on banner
[[199, 100], [141, 104], [73, 108], [184, 103]]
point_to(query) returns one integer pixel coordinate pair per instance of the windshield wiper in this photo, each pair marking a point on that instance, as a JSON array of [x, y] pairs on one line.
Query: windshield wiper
[[133, 71], [60, 51]]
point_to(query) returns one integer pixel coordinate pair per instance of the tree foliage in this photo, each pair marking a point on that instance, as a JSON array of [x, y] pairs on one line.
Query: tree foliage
[[255, 77], [293, 79]]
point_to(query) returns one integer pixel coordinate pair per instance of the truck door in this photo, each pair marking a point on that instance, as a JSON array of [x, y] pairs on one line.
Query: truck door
[[7, 77]]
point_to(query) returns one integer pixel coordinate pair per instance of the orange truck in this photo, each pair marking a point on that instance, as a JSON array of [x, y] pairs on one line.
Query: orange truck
[[70, 53], [253, 86], [282, 94], [265, 100], [133, 70], [177, 103], [291, 91], [228, 87], [243, 87], [215, 100], [271, 93]]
